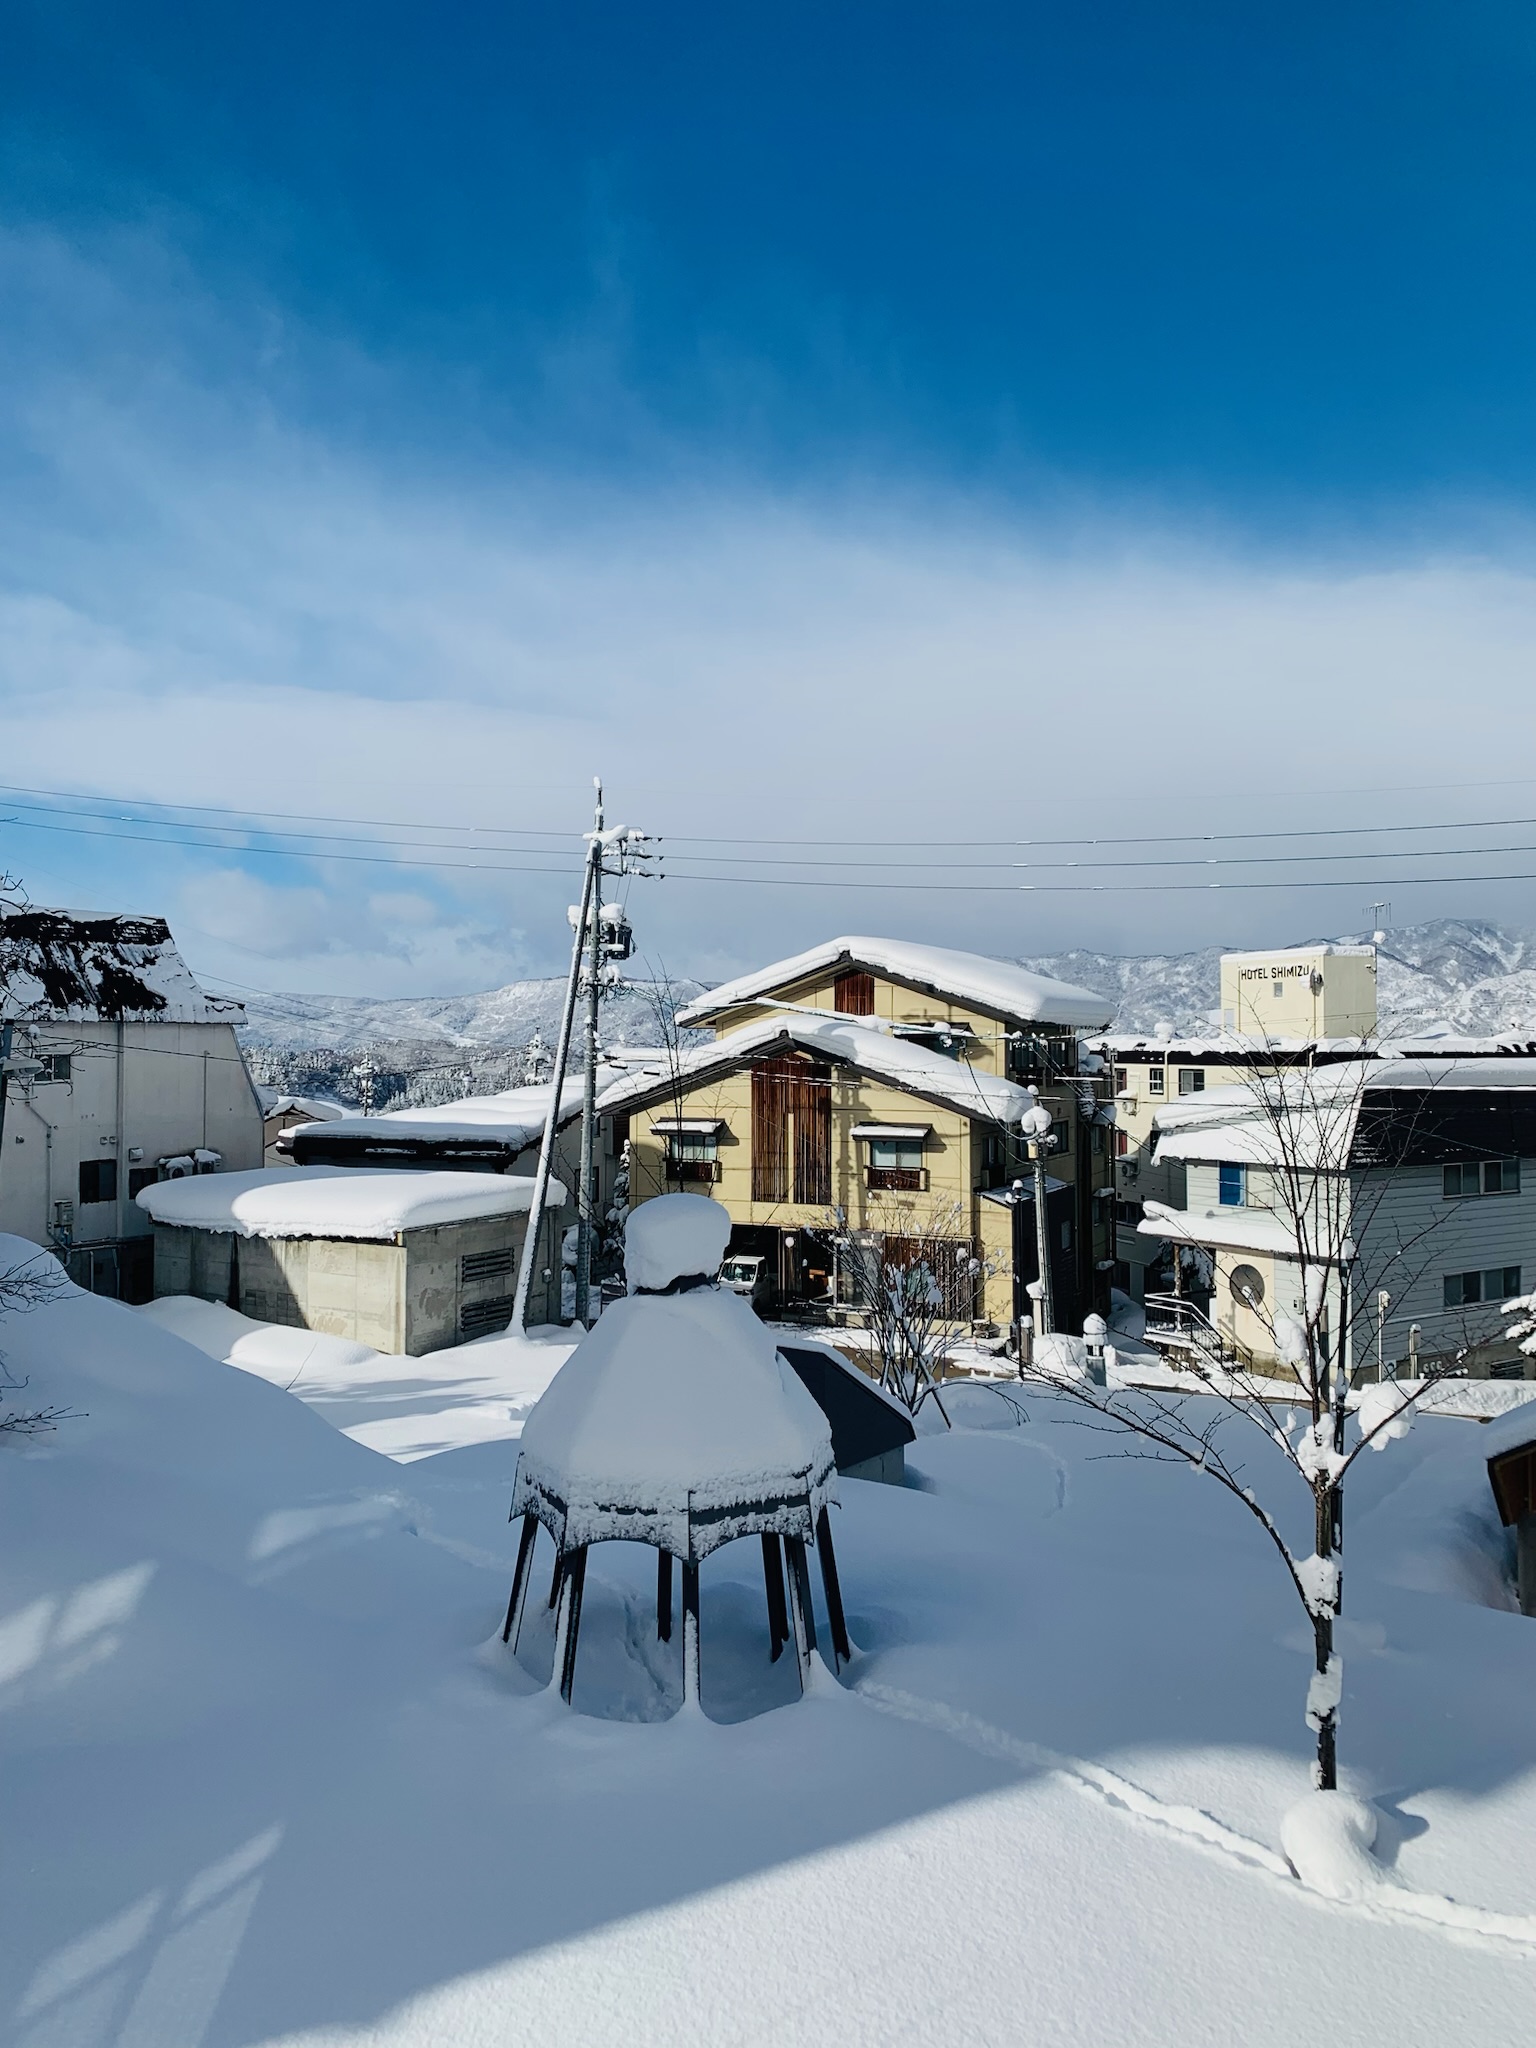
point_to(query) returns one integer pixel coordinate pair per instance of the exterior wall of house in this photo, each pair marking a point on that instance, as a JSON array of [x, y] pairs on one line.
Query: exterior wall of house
[[894, 1004], [956, 1159], [1410, 1237], [412, 1295], [137, 1093]]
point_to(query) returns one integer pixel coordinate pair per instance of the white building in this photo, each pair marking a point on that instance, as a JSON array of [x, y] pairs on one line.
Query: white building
[[123, 1073]]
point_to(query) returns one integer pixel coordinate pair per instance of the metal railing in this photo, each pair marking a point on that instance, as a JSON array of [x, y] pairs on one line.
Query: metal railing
[[1175, 1323]]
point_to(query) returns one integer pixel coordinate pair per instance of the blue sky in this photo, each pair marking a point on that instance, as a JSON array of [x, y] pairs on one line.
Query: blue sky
[[872, 422]]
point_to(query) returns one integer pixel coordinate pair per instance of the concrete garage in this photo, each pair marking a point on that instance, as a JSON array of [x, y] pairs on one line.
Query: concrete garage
[[403, 1262]]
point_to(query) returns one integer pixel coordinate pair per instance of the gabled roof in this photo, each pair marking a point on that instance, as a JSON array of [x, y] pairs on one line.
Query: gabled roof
[[55, 965], [1409, 1110], [846, 1043], [998, 986]]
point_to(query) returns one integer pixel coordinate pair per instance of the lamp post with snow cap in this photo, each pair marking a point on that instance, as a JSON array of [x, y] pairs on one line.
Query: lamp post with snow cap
[[1035, 1124]]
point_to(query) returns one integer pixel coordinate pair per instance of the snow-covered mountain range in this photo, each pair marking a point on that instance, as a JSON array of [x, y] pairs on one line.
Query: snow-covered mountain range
[[1476, 976], [498, 1017]]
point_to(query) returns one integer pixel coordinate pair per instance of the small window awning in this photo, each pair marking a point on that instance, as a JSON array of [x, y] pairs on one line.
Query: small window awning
[[692, 1126], [913, 1134]]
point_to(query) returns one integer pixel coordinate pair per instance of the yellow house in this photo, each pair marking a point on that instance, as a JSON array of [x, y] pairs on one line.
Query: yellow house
[[884, 1082]]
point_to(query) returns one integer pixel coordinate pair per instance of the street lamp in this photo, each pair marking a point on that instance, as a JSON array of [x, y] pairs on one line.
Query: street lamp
[[1035, 1124]]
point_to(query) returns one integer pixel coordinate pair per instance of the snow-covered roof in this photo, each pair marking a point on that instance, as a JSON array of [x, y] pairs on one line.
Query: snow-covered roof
[[1432, 1041], [336, 1201], [1236, 1229], [77, 969], [675, 1422], [1313, 1121], [994, 985], [313, 1107], [847, 1042], [515, 1115]]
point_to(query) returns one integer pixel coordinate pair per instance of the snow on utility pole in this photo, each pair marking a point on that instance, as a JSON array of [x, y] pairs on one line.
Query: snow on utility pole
[[586, 1200]]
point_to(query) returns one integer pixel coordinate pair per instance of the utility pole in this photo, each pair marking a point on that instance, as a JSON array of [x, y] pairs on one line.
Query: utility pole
[[586, 1201], [590, 938]]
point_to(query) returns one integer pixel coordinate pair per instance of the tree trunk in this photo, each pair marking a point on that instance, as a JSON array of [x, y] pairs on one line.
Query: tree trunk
[[1328, 1500]]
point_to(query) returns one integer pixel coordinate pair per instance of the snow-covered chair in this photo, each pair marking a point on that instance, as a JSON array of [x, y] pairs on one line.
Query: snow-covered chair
[[675, 1423]]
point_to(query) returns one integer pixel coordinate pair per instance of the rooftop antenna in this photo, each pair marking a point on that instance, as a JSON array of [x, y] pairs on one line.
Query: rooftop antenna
[[1381, 918]]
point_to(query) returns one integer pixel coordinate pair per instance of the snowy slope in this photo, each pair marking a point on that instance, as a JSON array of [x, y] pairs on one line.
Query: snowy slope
[[266, 1777], [499, 1016]]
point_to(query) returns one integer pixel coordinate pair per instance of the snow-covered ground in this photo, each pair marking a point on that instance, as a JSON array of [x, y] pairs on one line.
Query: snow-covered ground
[[267, 1775], [408, 1408]]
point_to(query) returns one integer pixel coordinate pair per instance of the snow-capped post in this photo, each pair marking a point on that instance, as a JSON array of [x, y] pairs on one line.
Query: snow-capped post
[[1095, 1332], [1035, 1124]]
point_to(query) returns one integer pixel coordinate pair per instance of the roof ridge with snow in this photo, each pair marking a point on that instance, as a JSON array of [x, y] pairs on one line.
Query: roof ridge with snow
[[991, 984]]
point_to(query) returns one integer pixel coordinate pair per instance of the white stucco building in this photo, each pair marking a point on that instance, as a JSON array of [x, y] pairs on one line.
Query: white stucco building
[[124, 1072]]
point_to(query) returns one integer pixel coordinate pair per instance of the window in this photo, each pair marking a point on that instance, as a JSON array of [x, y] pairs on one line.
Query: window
[[897, 1164], [1493, 1284], [1482, 1177], [1155, 1080], [1277, 989], [1191, 1080], [1233, 1184], [1122, 1081], [896, 1152], [55, 1066], [98, 1180], [1122, 1143], [853, 995], [618, 1134], [693, 1155], [141, 1177]]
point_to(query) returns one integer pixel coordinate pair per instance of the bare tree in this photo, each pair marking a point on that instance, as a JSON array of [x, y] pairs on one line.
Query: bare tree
[[1325, 1164], [915, 1281], [35, 1281]]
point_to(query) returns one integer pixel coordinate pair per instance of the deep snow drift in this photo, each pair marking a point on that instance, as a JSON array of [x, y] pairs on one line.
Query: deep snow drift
[[267, 1776]]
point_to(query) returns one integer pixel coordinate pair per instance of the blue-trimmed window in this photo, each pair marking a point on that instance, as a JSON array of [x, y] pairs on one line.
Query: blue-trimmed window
[[1233, 1183]]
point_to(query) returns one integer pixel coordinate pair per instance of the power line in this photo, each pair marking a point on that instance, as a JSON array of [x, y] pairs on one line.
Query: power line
[[568, 839]]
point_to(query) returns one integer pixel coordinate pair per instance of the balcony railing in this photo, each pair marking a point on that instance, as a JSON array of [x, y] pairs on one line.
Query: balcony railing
[[693, 1169], [897, 1180]]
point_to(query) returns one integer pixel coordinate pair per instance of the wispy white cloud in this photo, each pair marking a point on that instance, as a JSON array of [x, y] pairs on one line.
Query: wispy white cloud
[[211, 595]]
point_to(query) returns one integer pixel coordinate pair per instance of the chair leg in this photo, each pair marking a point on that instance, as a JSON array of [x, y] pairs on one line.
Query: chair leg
[[778, 1609], [842, 1651], [690, 1634], [575, 1579], [801, 1612], [554, 1577], [664, 1596], [520, 1579]]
